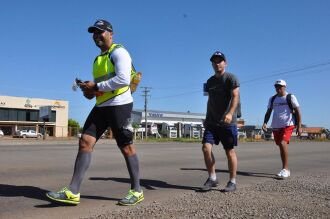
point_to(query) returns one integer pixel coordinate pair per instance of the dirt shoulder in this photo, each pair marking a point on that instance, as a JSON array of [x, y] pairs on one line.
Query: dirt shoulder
[[297, 197]]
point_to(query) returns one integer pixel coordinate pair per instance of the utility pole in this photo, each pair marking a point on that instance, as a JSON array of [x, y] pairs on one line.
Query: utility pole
[[145, 91]]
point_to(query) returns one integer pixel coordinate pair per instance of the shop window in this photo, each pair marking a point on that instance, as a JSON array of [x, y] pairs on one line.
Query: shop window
[[4, 115], [12, 115], [21, 115]]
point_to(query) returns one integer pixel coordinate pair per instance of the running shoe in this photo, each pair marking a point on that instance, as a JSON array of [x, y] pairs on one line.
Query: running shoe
[[230, 187], [132, 198], [284, 173], [209, 184], [64, 196]]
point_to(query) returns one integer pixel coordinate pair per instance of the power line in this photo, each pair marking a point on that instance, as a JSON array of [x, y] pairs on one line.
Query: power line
[[287, 72], [308, 67]]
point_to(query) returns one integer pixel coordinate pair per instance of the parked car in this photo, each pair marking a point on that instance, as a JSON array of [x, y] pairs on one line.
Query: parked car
[[268, 136], [241, 135], [192, 131], [1, 133], [168, 131], [27, 134]]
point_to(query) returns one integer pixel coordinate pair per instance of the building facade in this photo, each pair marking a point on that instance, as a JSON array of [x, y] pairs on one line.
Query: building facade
[[22, 113], [172, 118]]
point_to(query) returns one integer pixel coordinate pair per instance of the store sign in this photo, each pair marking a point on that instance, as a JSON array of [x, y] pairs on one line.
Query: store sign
[[2, 103], [28, 103], [58, 105], [158, 115]]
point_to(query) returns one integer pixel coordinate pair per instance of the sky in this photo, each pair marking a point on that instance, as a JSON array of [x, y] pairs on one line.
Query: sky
[[45, 45]]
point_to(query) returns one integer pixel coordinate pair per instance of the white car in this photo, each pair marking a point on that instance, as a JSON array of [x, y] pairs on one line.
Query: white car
[[1, 133], [27, 134], [241, 135]]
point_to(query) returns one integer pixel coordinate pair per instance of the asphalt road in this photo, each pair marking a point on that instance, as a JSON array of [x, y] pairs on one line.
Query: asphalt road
[[30, 168]]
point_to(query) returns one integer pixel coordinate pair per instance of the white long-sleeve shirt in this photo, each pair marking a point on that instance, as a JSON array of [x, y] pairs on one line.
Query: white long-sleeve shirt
[[123, 63]]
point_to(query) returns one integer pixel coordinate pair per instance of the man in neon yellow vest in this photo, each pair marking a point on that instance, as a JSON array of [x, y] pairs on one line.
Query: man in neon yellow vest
[[114, 103]]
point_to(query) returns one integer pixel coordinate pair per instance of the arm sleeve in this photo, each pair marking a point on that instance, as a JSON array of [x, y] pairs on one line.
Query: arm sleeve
[[123, 63]]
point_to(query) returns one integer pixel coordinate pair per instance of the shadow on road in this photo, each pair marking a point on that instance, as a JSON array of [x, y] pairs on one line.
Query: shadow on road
[[265, 175], [149, 184], [39, 194], [26, 191]]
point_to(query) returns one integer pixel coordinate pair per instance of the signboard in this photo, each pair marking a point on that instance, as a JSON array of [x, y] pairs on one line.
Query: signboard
[[45, 112]]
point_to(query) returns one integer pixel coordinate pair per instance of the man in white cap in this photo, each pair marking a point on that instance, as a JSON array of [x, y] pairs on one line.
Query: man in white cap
[[286, 117]]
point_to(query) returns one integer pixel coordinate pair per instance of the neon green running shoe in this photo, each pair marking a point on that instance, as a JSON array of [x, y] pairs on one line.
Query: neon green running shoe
[[132, 198], [64, 196]]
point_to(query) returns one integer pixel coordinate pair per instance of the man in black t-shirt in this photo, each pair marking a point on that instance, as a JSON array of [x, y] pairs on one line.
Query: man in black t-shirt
[[220, 122]]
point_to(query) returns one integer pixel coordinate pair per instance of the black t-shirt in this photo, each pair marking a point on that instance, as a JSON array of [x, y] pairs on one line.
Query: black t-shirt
[[220, 95]]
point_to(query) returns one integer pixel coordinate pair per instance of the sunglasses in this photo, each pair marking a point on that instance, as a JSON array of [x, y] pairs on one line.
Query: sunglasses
[[278, 86]]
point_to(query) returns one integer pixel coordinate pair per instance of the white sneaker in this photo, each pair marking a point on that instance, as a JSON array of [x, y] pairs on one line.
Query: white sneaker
[[284, 173]]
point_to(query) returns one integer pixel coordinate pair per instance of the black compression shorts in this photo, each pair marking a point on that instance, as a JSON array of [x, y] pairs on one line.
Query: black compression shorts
[[118, 118]]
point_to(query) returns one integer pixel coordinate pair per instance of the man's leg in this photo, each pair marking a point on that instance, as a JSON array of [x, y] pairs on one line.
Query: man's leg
[[282, 137], [232, 167], [284, 154], [83, 159], [132, 163], [209, 158], [71, 195], [229, 141], [210, 166], [232, 163], [93, 128], [135, 194]]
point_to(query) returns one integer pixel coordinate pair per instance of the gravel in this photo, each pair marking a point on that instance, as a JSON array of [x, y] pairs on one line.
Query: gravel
[[296, 197]]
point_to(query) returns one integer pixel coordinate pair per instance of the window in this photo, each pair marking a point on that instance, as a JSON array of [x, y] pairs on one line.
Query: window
[[12, 115], [53, 119], [4, 114], [21, 115], [34, 116]]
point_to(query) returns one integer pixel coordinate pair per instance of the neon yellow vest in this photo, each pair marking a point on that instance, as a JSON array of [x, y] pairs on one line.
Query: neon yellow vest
[[104, 69]]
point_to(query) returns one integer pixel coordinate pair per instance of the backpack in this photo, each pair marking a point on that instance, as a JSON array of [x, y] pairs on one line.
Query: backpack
[[289, 101], [135, 76]]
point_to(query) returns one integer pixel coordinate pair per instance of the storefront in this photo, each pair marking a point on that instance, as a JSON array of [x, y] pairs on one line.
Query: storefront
[[22, 113]]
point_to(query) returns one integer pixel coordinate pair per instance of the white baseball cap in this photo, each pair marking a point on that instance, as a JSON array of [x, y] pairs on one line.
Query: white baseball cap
[[280, 82]]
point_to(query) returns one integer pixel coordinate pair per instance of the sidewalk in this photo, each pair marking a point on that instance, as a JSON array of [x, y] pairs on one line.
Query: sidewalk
[[49, 140]]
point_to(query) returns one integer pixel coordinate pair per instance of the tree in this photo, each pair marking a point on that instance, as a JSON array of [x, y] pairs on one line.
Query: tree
[[73, 127]]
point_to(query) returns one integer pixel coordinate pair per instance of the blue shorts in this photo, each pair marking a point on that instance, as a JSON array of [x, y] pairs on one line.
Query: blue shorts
[[226, 134]]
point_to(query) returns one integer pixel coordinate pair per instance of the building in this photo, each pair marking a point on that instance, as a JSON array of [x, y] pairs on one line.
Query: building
[[171, 118], [18, 113], [314, 133]]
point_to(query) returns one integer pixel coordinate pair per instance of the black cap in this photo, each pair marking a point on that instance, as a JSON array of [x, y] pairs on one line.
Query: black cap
[[218, 54], [102, 25]]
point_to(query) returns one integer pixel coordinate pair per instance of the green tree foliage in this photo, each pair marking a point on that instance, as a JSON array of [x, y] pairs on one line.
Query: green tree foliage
[[74, 127]]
